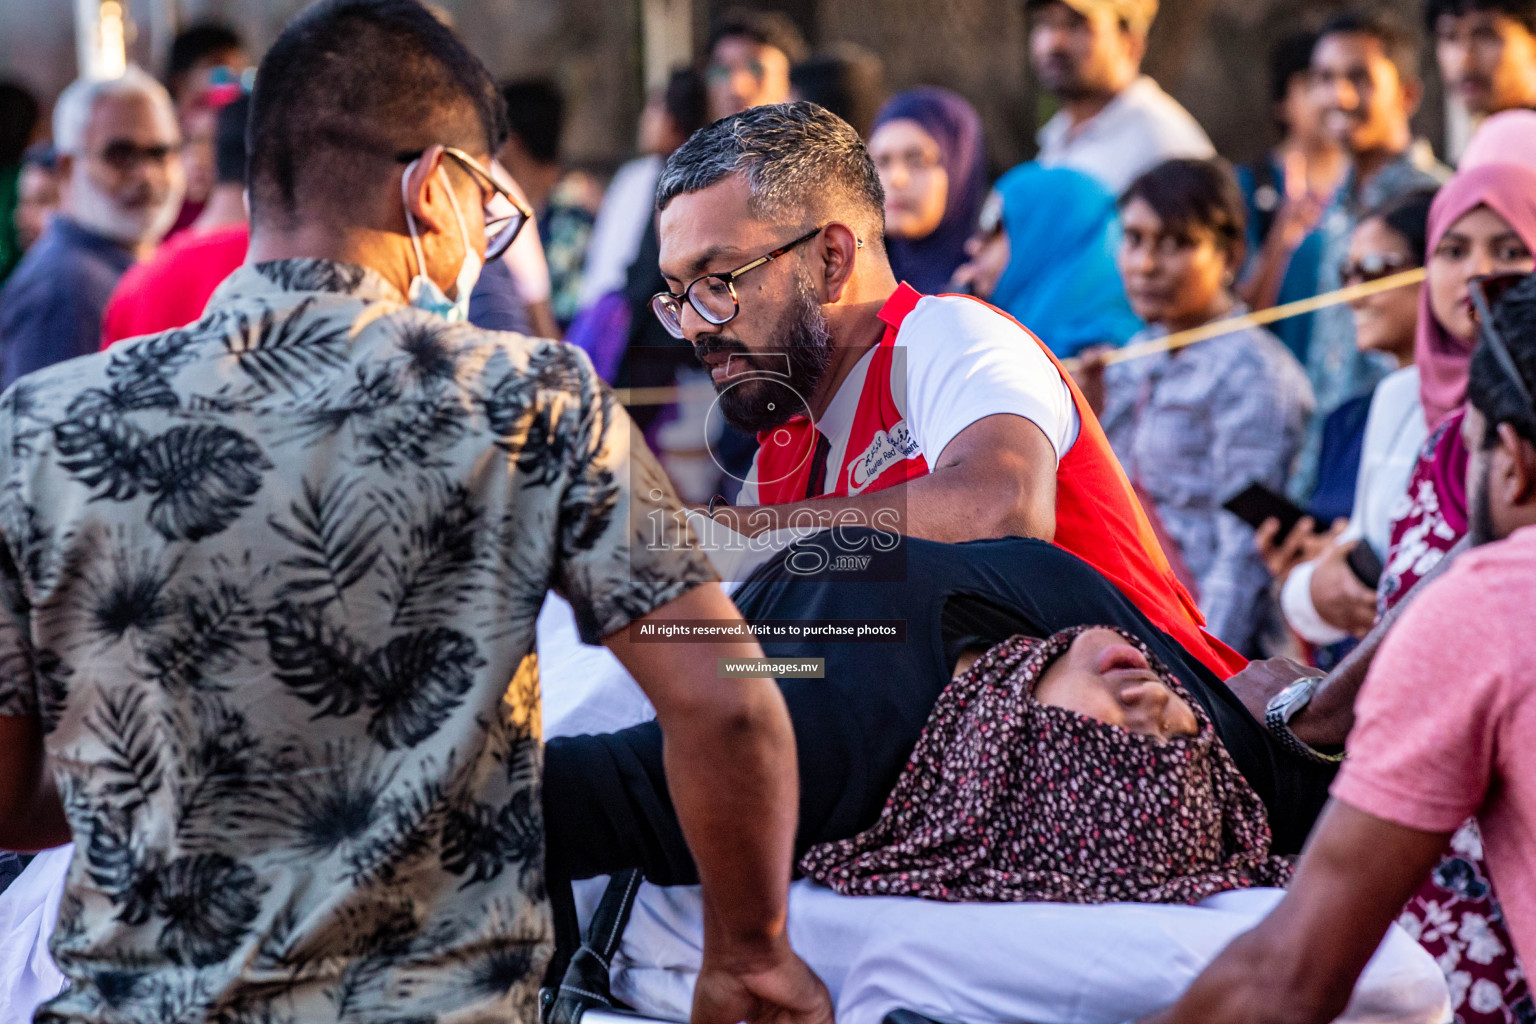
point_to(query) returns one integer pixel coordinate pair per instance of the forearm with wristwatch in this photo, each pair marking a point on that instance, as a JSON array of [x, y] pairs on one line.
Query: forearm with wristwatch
[[1312, 715]]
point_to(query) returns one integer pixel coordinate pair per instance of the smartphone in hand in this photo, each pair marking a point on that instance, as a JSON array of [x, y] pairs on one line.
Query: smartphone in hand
[[1365, 563], [1256, 503]]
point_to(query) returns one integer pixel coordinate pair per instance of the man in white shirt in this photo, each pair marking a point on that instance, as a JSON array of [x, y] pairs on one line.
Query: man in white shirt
[[1114, 122]]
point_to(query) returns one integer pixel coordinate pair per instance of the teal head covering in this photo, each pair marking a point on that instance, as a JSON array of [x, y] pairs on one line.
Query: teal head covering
[[1061, 280]]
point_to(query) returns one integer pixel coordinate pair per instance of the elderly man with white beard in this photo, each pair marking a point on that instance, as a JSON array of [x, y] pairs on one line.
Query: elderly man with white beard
[[121, 184]]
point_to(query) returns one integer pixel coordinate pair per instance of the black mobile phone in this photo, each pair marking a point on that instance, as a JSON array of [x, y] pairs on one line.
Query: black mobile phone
[[1256, 503], [1365, 563]]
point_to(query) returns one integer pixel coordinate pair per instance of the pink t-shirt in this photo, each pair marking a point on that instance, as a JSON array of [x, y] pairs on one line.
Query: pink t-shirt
[[1446, 722]]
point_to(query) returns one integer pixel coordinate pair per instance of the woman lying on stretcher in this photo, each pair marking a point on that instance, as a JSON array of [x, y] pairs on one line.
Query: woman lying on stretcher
[[1072, 770]]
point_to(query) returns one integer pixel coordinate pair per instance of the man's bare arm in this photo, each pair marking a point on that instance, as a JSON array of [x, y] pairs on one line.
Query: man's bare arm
[[730, 762], [31, 815], [997, 478], [1300, 964]]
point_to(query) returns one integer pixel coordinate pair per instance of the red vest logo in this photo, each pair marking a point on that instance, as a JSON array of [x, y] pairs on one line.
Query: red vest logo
[[885, 450]]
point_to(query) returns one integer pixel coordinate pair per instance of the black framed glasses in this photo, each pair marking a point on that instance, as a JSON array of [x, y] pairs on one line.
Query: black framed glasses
[[504, 213], [123, 155], [1373, 266], [713, 296], [1486, 291]]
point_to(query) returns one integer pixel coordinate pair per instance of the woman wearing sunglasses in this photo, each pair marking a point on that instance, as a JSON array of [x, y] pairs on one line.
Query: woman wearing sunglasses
[[1370, 444]]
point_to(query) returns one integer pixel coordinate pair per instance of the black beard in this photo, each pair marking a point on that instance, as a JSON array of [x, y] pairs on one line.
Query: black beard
[[762, 398]]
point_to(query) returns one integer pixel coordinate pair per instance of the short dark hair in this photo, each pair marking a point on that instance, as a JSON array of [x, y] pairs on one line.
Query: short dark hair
[[847, 79], [795, 156], [348, 87], [1489, 388], [1408, 215], [19, 114], [765, 28], [1523, 11], [196, 43], [1188, 195], [1290, 56], [535, 116], [686, 100], [1397, 39], [229, 140]]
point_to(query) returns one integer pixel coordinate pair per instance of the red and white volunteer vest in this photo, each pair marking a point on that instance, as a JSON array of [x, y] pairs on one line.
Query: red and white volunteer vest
[[1098, 517]]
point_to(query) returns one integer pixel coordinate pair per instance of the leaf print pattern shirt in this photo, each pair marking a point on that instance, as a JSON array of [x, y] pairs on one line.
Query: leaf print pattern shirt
[[269, 582]]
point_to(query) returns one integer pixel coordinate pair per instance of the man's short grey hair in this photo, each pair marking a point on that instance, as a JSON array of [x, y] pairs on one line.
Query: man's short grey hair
[[72, 112], [796, 157]]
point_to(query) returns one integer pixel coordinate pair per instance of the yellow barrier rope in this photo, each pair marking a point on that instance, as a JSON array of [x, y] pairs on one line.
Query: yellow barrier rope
[[1168, 343], [1300, 307]]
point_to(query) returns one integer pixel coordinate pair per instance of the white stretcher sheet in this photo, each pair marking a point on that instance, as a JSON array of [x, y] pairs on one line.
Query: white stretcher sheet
[[998, 962]]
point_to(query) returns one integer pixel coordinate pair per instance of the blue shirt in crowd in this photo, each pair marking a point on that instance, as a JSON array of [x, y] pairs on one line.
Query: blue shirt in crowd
[[50, 309]]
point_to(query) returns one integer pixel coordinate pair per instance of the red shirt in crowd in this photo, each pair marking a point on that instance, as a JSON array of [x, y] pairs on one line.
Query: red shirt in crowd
[[171, 288]]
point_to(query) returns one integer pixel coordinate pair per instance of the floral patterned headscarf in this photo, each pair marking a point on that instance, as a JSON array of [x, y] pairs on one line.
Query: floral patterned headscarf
[[1009, 800]]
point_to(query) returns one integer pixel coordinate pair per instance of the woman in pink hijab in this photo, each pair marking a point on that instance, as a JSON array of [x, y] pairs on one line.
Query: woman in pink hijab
[[1483, 221]]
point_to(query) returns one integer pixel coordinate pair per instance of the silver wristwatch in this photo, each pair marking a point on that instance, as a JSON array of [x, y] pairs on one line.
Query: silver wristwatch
[[1282, 707]]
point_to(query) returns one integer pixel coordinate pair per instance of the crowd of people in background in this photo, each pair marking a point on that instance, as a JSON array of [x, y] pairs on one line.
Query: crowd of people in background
[[128, 210]]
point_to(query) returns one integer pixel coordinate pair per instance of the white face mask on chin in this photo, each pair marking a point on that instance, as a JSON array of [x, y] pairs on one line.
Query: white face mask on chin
[[424, 292]]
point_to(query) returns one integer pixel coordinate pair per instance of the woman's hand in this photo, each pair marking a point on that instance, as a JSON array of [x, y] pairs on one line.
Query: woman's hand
[[988, 258], [1297, 217], [1339, 596], [1302, 544]]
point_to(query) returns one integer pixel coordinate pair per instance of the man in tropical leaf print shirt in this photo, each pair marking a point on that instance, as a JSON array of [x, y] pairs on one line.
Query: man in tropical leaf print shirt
[[268, 586]]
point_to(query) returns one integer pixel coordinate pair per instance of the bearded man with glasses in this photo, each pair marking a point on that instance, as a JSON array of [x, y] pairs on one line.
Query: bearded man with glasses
[[120, 188], [935, 416]]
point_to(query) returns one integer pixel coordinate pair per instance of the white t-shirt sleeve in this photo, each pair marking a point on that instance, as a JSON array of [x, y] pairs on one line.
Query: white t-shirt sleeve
[[964, 362], [1300, 613]]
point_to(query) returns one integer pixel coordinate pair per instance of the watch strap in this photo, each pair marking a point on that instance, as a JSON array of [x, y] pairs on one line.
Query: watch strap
[[1274, 721]]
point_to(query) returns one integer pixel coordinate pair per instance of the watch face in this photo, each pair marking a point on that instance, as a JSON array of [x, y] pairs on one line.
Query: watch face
[[1286, 698]]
